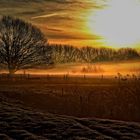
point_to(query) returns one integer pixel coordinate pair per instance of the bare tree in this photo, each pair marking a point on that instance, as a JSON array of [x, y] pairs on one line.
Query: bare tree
[[20, 44]]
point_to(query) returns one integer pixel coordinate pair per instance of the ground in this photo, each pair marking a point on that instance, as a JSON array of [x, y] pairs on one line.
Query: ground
[[42, 108], [20, 123]]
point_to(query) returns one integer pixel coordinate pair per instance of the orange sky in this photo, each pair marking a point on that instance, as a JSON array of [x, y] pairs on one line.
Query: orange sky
[[81, 22]]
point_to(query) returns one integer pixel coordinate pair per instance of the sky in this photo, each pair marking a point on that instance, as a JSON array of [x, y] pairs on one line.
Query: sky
[[81, 22]]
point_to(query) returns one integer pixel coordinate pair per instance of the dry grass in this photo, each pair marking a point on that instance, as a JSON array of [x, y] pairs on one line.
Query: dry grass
[[78, 96], [88, 97], [21, 123]]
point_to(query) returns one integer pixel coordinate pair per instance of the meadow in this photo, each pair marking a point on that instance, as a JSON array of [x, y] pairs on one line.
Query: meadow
[[66, 105], [102, 97], [18, 122]]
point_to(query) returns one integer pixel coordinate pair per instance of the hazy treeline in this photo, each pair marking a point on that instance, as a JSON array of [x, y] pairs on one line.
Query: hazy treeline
[[66, 54], [23, 45]]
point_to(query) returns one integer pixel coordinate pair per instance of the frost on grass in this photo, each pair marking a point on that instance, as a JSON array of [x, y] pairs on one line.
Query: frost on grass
[[18, 123]]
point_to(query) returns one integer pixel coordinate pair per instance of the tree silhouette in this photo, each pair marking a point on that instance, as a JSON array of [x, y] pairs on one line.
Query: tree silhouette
[[68, 54], [20, 44]]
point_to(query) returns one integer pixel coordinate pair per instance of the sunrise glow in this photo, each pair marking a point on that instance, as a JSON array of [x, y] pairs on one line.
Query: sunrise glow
[[118, 23]]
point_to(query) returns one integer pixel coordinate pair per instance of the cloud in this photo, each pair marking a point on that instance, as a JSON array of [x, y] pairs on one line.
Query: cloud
[[48, 15], [58, 19], [55, 30], [65, 34]]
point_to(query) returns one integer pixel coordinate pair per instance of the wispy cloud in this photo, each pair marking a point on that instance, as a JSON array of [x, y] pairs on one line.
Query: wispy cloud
[[58, 19], [49, 15]]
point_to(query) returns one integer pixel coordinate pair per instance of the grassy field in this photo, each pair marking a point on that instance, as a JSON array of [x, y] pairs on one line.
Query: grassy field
[[21, 123], [77, 96], [37, 108], [34, 106]]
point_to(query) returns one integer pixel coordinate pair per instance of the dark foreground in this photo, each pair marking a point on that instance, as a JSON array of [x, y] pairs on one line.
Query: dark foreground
[[18, 123], [105, 98], [36, 109]]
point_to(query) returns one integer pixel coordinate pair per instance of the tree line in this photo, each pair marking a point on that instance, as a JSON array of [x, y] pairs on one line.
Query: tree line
[[67, 54], [23, 45]]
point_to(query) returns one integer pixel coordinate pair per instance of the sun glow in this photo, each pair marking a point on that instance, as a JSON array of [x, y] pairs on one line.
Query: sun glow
[[118, 23]]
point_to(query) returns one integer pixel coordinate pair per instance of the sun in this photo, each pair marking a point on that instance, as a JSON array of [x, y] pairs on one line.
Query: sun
[[118, 23]]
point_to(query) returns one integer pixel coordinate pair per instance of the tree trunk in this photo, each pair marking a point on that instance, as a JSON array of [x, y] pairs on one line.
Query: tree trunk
[[11, 72]]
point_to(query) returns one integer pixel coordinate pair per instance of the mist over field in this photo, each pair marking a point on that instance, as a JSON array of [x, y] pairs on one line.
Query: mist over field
[[97, 69]]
